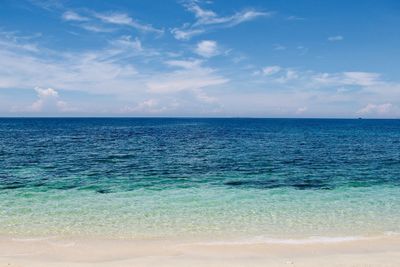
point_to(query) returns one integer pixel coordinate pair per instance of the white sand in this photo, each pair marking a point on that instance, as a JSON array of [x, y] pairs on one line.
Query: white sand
[[56, 252]]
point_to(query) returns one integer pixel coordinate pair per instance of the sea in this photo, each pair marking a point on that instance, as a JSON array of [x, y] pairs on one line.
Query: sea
[[218, 178]]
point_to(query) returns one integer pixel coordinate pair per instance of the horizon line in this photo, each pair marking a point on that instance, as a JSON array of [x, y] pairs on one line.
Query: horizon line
[[192, 117]]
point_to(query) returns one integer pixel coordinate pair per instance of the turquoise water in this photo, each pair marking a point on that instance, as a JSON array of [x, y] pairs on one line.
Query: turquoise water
[[162, 178]]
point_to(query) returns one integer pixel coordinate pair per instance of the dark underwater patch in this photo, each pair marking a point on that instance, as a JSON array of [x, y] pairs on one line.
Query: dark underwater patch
[[12, 186], [311, 186], [38, 184], [64, 186], [271, 184], [103, 191], [263, 184]]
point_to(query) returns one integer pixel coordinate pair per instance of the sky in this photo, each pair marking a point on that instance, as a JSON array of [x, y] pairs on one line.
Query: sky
[[200, 58]]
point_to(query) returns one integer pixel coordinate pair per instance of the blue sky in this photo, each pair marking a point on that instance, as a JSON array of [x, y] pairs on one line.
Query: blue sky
[[278, 58]]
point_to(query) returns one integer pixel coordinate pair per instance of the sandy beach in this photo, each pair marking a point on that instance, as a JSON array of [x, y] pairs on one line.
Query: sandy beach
[[190, 133], [57, 252]]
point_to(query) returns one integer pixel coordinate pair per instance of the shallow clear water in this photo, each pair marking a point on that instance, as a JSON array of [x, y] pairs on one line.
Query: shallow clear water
[[145, 178]]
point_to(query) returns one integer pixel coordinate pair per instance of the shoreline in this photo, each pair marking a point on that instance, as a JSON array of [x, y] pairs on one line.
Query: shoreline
[[85, 252]]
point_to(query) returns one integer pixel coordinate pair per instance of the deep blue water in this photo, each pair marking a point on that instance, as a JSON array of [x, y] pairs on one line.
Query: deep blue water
[[125, 154], [90, 157]]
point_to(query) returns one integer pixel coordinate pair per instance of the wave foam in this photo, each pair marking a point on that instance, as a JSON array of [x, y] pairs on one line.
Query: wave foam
[[310, 240]]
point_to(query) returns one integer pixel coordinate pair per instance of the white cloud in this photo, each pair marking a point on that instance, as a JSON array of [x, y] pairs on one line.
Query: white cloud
[[288, 75], [182, 34], [207, 19], [207, 48], [189, 103], [186, 64], [95, 28], [125, 20], [106, 22], [278, 74], [361, 78], [294, 18], [184, 80], [126, 42], [335, 38], [48, 101], [279, 47], [73, 16], [316, 79], [191, 76], [9, 40], [110, 71], [270, 70], [301, 110], [331, 93], [204, 97], [377, 109], [302, 50], [116, 18], [44, 93], [150, 103], [95, 71], [347, 78], [126, 71], [147, 106]]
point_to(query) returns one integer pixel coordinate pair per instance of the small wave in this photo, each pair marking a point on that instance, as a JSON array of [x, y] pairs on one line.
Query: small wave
[[289, 241], [391, 233], [62, 244], [35, 239]]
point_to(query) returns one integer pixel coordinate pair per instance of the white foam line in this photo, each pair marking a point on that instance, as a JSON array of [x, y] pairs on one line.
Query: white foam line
[[62, 244], [310, 240], [390, 233], [36, 239], [22, 254]]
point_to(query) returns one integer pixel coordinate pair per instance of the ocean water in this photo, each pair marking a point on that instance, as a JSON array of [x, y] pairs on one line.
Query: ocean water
[[184, 178]]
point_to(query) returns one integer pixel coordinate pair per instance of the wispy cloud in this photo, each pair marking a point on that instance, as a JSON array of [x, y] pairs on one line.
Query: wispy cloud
[[207, 19], [270, 70], [279, 47], [301, 110], [135, 74], [152, 106], [9, 40], [350, 78], [110, 71], [278, 74], [185, 64], [184, 33], [73, 16], [294, 18], [335, 38], [68, 71], [106, 22], [48, 5], [378, 109], [95, 28], [126, 42], [323, 91], [302, 50], [124, 19], [191, 77]]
